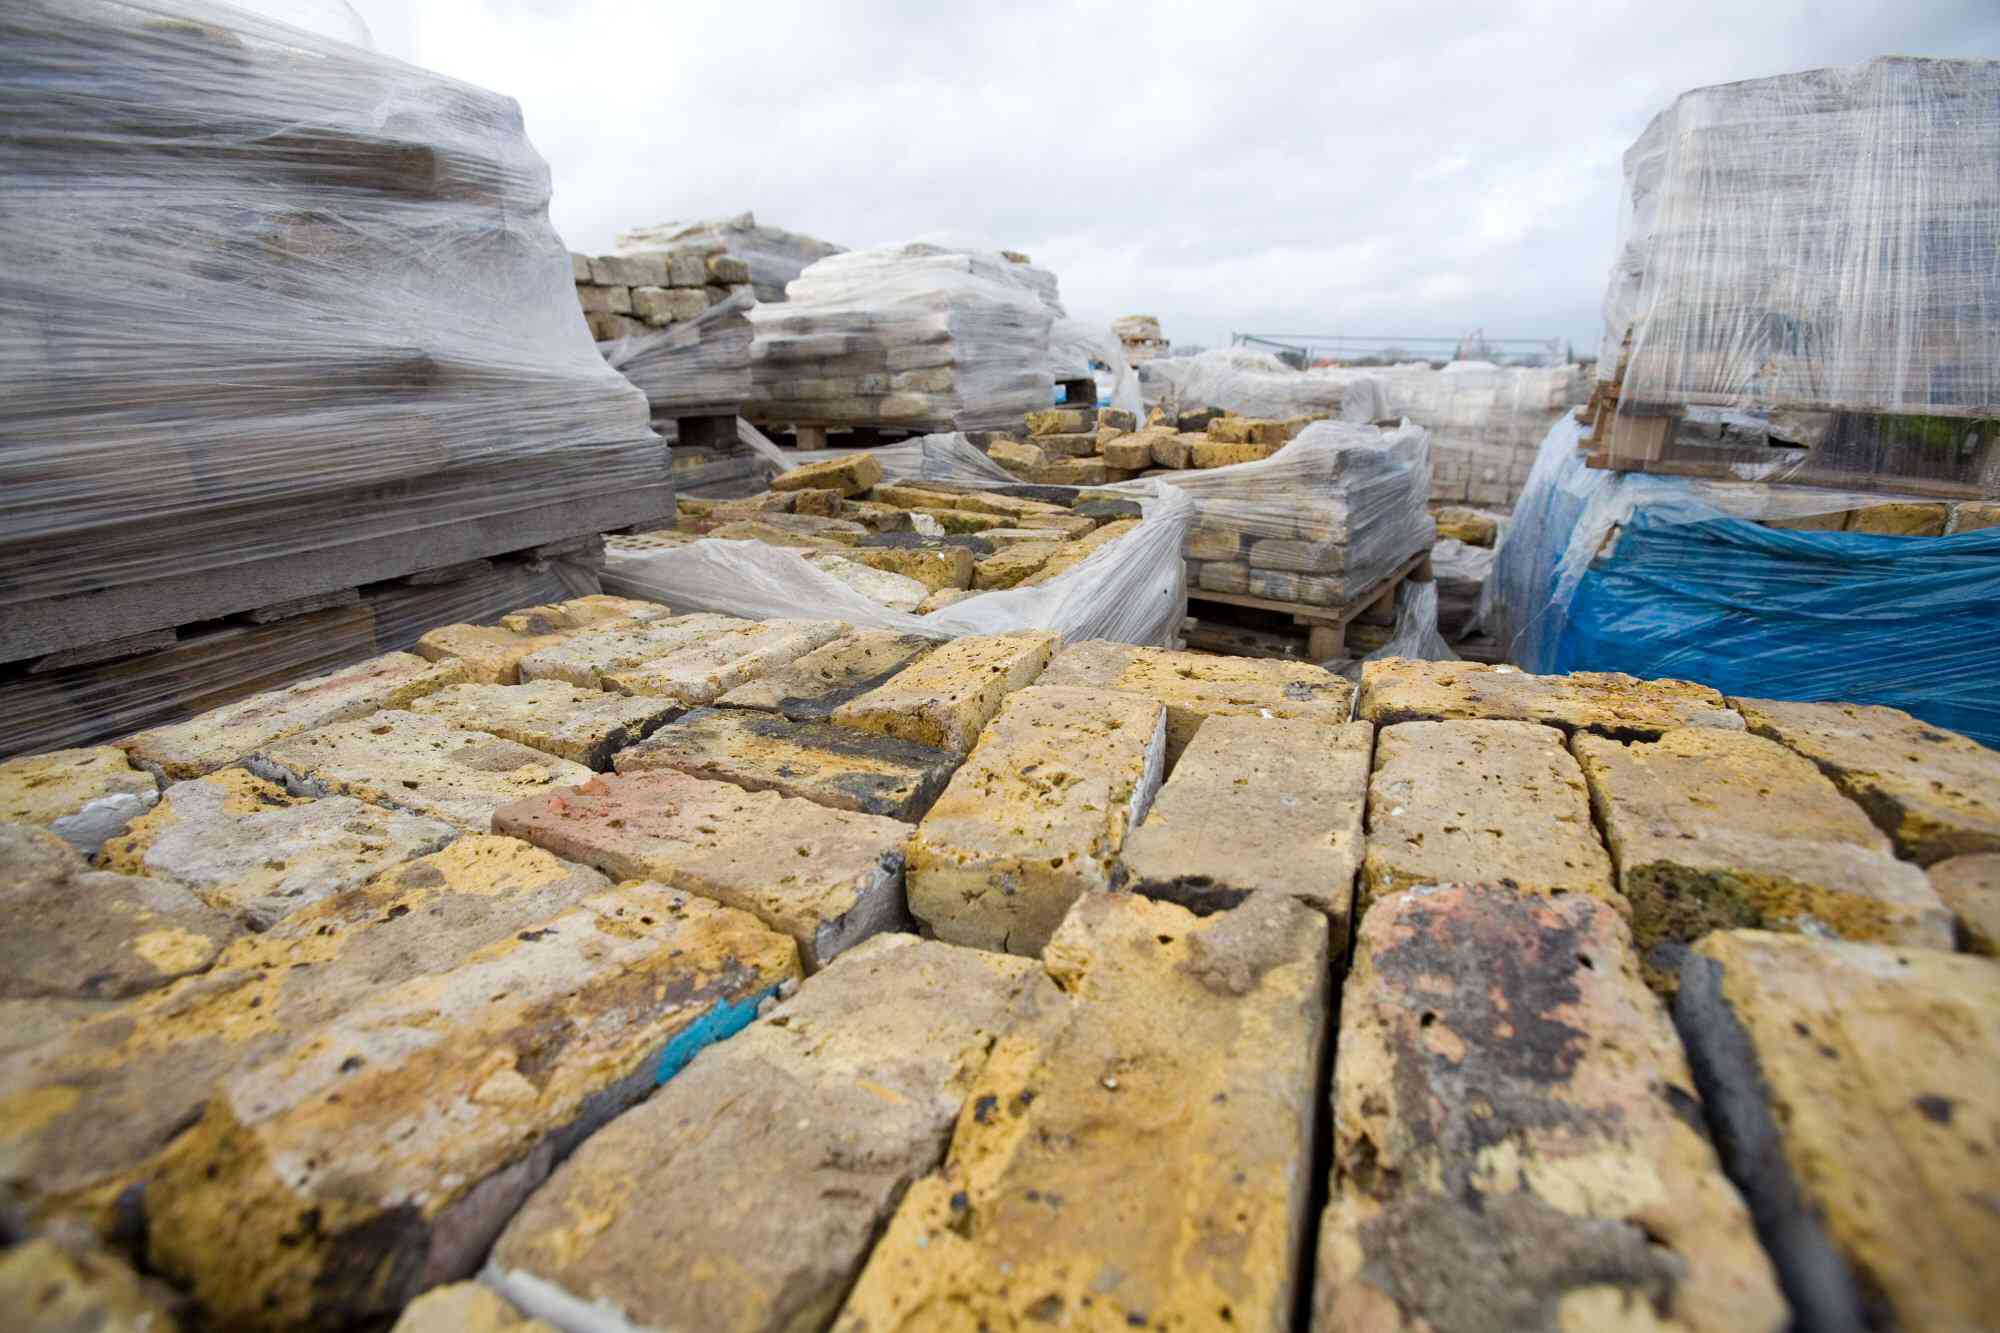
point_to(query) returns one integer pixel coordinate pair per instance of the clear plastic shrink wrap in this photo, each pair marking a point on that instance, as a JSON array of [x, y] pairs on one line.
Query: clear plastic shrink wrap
[[775, 256], [1800, 257], [278, 316], [697, 368]]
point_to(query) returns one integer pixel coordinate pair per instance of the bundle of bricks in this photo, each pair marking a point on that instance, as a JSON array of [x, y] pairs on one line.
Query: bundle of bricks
[[624, 296], [1644, 1002], [1080, 446], [1140, 337]]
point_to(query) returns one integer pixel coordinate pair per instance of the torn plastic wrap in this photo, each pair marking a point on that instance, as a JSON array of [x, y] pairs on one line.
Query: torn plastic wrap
[[1785, 592], [775, 256], [279, 317]]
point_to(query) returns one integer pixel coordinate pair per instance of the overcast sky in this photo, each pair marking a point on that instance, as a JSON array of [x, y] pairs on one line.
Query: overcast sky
[[1373, 167]]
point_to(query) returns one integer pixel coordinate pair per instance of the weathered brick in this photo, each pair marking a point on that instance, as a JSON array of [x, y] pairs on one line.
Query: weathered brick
[[946, 697], [1900, 519], [1606, 702], [1300, 784], [1854, 1089], [465, 1307], [835, 766], [1173, 449], [1934, 791], [898, 592], [702, 672], [1467, 525], [1067, 526], [1062, 421], [381, 1153], [83, 796], [54, 1287], [1036, 816], [408, 762], [1141, 1156], [1129, 451], [1198, 686], [1970, 887], [569, 721], [1481, 802], [581, 613], [1715, 829], [746, 1193], [1248, 430], [1207, 451], [1005, 568], [1517, 1143], [489, 654], [223, 736], [583, 658], [246, 847], [851, 475], [942, 598], [936, 567], [1080, 445], [828, 878], [1214, 539], [811, 687]]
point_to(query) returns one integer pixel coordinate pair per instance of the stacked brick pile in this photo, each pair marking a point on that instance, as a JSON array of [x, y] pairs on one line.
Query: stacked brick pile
[[1140, 337], [624, 296], [696, 972]]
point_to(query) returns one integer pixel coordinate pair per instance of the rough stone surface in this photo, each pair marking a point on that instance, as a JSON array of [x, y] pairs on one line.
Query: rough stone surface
[[1855, 1089], [48, 1287], [584, 658], [1481, 802], [1140, 1157], [1005, 568], [1970, 887], [1036, 816], [702, 672], [828, 878], [746, 1193], [834, 766], [1300, 785], [83, 796], [898, 592], [569, 721], [248, 848], [812, 686], [850, 476], [466, 1307], [943, 598], [1197, 686], [77, 933], [936, 567], [489, 654], [944, 698], [1715, 829], [581, 613], [1517, 1143], [223, 736], [1606, 702], [1934, 791], [381, 1153]]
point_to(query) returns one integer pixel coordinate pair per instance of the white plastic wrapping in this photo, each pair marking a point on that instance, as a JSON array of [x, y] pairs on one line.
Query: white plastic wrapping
[[697, 368], [775, 256]]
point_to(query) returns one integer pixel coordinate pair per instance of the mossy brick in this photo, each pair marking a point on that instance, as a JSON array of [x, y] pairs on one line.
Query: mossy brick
[[1481, 802], [851, 475], [821, 503], [1174, 449], [1076, 472], [1138, 1156], [1002, 538], [568, 721], [1036, 816], [812, 686], [747, 1193], [945, 698], [1712, 830], [906, 496], [1287, 554], [1970, 516], [1198, 686], [246, 847], [381, 1153], [1471, 526], [488, 654], [1248, 430], [837, 767], [1517, 1142], [1970, 887], [1400, 689], [898, 592], [827, 878], [703, 671], [1935, 792], [82, 795], [937, 566], [769, 534], [405, 761], [1224, 576], [1128, 451], [223, 736], [584, 657], [1854, 1089], [1217, 539]]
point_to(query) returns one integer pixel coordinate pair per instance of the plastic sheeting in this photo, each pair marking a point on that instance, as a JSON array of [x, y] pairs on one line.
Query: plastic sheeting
[[775, 256], [697, 368], [1671, 577]]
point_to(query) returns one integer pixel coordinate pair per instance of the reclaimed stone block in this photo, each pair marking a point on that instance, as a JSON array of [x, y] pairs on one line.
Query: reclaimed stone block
[[1005, 568], [605, 300], [937, 567], [582, 725], [1140, 1157], [489, 654], [247, 848], [851, 475], [827, 878], [1067, 526], [1069, 446], [1303, 557], [381, 1153], [1935, 792], [946, 697], [82, 796], [1900, 519], [1303, 589], [1036, 816], [898, 592], [746, 1194], [1128, 451], [1062, 421], [812, 686], [629, 271], [584, 658], [1211, 452], [1225, 576], [702, 672], [1517, 1142], [834, 766], [223, 736], [660, 306], [1854, 1091], [1173, 449], [1467, 525], [424, 765], [1970, 887], [1608, 703], [1024, 460], [1481, 803]]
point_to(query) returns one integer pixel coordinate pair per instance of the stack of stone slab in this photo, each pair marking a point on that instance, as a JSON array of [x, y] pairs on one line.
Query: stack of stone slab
[[628, 296], [772, 255], [1140, 337]]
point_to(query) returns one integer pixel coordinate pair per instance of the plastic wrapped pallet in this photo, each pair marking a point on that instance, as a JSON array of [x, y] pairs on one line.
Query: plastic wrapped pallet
[[697, 368], [280, 317], [773, 255]]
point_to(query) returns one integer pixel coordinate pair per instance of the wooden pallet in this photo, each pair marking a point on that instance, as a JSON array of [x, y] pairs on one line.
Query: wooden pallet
[[1319, 632]]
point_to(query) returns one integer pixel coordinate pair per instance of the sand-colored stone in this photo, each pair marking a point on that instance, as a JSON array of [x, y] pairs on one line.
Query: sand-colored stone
[[248, 848], [1856, 1088], [851, 475], [1935, 792], [585, 657], [489, 654], [83, 796], [1024, 460], [1211, 452], [812, 686], [581, 613], [1906, 518], [404, 761], [1129, 451], [1082, 444], [1139, 1157], [947, 696], [1970, 887], [1399, 689], [1250, 430], [224, 736], [746, 1194], [1472, 526], [1712, 830], [936, 567], [568, 721], [1516, 1138], [1066, 526], [1062, 421], [943, 598], [1975, 516], [702, 672], [1037, 815], [381, 1153], [51, 1287], [1481, 803], [1005, 568], [898, 592], [1198, 686], [466, 1307], [827, 878]]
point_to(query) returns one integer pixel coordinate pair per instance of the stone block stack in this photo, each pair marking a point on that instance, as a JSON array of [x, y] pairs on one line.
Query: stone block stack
[[1140, 337], [626, 296]]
